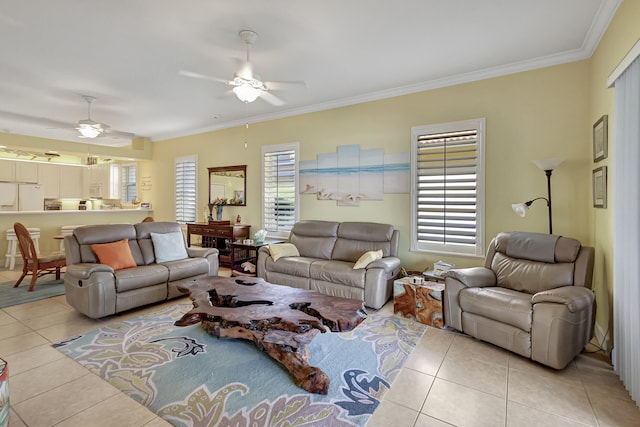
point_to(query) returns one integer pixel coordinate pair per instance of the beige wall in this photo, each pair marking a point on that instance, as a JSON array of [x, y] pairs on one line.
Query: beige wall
[[622, 34], [530, 115]]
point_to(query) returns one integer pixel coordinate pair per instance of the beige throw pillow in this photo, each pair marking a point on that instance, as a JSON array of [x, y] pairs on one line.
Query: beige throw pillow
[[280, 250], [367, 258]]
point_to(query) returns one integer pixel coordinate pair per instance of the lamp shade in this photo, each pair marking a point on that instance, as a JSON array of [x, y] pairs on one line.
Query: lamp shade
[[520, 208], [246, 93], [548, 164]]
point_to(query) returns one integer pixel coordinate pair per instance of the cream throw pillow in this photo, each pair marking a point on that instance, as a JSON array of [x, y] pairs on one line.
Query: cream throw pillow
[[367, 258], [280, 250]]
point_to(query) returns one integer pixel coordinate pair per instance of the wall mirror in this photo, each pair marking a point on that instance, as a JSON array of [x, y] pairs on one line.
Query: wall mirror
[[228, 182]]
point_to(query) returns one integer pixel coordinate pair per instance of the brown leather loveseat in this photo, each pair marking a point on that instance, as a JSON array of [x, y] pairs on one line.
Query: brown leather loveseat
[[533, 297]]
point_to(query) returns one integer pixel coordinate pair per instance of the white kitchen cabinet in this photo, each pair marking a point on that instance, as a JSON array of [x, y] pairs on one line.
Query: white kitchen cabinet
[[60, 181], [7, 171], [102, 181], [26, 172], [49, 178], [70, 182]]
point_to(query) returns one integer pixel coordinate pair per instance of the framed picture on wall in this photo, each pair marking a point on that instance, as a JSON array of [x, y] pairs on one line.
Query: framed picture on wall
[[600, 187], [600, 140]]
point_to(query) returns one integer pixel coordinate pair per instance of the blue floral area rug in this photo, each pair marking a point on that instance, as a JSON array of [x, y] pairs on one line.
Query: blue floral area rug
[[191, 378]]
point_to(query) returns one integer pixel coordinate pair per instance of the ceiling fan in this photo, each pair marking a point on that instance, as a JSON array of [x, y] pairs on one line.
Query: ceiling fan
[[92, 129], [246, 84]]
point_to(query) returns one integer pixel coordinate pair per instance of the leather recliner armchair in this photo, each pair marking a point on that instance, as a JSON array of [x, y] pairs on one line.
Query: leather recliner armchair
[[533, 297]]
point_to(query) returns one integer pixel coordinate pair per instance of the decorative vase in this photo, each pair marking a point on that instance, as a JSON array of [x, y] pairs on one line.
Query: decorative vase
[[219, 213], [210, 214]]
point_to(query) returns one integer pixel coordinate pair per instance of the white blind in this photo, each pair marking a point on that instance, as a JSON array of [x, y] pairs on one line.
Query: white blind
[[186, 187], [279, 190], [447, 191], [128, 183]]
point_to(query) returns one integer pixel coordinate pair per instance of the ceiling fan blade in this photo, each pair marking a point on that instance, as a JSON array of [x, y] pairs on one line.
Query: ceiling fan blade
[[284, 84], [112, 133], [193, 75], [271, 98], [43, 121]]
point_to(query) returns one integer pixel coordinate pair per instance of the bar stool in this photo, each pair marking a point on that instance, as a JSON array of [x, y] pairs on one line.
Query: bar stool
[[12, 248], [65, 230]]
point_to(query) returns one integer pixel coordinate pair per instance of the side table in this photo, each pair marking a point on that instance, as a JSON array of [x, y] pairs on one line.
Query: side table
[[431, 276], [241, 253], [422, 302]]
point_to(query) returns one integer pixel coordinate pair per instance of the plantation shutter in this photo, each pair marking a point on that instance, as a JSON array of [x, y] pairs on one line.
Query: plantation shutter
[[279, 185], [185, 196], [128, 183], [447, 190]]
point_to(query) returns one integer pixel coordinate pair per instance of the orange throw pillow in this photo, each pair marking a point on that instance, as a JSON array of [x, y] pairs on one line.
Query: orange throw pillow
[[116, 255]]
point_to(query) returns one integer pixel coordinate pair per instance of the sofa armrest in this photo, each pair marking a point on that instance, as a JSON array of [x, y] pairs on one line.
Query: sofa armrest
[[576, 298], [389, 263], [196, 252], [211, 255], [474, 277], [85, 270]]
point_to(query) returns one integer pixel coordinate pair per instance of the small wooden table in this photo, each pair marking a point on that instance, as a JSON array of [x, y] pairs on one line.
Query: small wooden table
[[241, 252], [280, 320], [422, 302]]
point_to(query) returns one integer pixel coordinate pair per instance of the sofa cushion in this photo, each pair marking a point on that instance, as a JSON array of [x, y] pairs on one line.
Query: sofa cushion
[[314, 239], [143, 235], [293, 266], [340, 272], [116, 255], [356, 238], [106, 233], [500, 304], [141, 277], [282, 250], [188, 267], [367, 258], [530, 276], [538, 247], [169, 246]]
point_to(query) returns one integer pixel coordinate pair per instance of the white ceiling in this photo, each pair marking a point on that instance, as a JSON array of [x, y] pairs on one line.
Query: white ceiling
[[128, 55]]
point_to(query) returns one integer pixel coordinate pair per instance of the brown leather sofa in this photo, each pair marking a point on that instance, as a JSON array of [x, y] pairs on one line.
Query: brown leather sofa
[[98, 290], [533, 297]]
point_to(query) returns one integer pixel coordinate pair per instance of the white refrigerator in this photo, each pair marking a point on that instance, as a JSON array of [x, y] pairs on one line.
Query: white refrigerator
[[30, 197]]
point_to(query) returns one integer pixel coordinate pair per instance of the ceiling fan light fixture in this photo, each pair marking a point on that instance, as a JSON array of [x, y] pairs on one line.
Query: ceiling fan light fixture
[[88, 131], [246, 93]]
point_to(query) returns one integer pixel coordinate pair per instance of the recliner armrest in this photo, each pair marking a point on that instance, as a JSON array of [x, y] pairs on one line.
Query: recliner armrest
[[576, 298], [85, 270], [389, 263], [474, 277]]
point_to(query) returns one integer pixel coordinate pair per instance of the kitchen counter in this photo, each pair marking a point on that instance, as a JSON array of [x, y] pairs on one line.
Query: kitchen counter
[[50, 222], [72, 211]]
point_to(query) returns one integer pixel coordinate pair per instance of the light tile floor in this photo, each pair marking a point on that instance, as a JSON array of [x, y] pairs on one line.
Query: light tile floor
[[449, 379]]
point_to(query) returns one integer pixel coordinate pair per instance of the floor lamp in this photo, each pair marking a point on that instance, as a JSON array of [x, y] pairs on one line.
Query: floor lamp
[[547, 165]]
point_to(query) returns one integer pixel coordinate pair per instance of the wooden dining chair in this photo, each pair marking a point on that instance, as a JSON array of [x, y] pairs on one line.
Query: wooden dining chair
[[34, 264], [148, 219]]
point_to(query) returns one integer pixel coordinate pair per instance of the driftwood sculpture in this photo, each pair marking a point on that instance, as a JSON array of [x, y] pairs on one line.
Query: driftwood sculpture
[[280, 320]]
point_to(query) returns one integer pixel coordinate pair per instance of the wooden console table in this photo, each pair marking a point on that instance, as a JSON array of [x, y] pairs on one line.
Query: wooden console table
[[219, 235], [280, 320]]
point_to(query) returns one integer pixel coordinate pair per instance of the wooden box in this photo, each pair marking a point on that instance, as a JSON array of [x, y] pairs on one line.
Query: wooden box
[[421, 302]]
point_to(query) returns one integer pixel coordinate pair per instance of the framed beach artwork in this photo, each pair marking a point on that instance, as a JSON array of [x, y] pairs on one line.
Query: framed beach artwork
[[600, 187], [600, 139]]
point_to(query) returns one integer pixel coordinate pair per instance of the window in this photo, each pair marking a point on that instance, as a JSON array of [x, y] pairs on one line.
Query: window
[[279, 188], [186, 188], [447, 191], [128, 183]]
